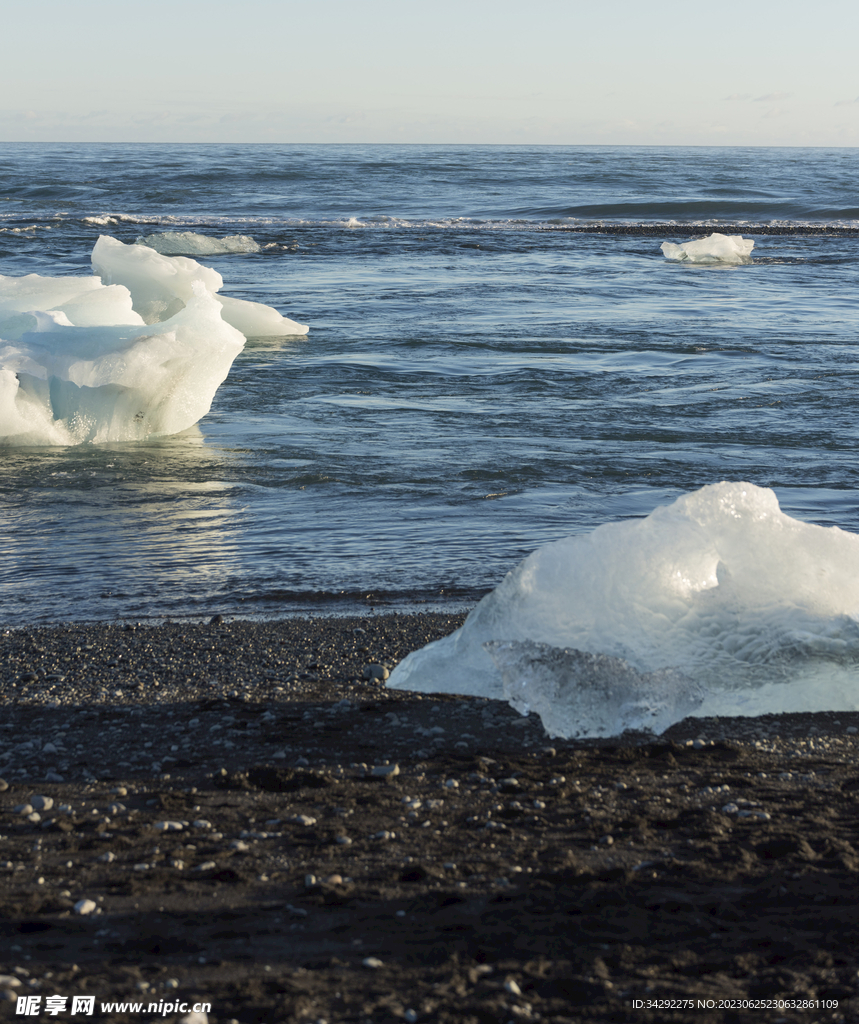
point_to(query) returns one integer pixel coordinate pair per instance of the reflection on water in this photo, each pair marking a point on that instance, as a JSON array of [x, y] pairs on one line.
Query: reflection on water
[[113, 530]]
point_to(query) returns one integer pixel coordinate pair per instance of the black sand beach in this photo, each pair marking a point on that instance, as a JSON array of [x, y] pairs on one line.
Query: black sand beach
[[245, 820]]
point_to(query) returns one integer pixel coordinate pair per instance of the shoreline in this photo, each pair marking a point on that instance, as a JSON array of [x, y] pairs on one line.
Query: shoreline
[[295, 842]]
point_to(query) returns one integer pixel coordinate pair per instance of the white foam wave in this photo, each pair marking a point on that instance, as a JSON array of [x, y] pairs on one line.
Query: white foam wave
[[721, 590], [137, 351], [25, 229], [456, 223], [715, 248], [188, 243]]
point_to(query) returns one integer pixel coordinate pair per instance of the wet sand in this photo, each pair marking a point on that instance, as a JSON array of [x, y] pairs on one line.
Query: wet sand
[[257, 826]]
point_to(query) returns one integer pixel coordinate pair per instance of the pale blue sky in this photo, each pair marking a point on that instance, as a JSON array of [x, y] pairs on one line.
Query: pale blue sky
[[736, 72]]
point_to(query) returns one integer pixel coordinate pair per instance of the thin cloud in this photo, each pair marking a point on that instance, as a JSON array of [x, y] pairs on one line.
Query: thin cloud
[[772, 97], [847, 103]]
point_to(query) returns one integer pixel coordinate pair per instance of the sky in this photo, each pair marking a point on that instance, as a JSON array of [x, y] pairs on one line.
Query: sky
[[567, 72]]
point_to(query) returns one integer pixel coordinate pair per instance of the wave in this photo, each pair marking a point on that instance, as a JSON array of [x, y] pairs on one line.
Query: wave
[[804, 226]]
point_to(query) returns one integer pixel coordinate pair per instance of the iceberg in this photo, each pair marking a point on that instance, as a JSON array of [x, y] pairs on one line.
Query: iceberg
[[136, 351], [714, 248], [719, 604], [189, 243], [161, 285]]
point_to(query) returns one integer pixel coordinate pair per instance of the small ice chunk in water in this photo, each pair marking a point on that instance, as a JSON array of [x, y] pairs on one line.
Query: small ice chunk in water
[[139, 353], [189, 243], [62, 384], [715, 248], [161, 285], [576, 693]]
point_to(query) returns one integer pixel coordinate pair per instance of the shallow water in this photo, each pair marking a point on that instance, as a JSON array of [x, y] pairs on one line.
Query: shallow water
[[477, 380]]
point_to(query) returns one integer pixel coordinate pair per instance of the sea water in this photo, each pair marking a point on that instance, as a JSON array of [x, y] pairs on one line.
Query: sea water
[[499, 356]]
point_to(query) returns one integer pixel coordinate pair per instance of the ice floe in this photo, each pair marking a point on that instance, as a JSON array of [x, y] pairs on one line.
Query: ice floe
[[189, 243], [719, 604], [714, 248], [138, 350]]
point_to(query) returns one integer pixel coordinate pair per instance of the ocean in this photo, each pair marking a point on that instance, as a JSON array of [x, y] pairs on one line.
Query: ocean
[[499, 356]]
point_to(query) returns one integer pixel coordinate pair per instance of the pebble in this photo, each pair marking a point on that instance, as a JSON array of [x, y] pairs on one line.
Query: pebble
[[84, 907], [194, 1017], [108, 858], [4, 785], [373, 962], [169, 826], [302, 819], [22, 809], [9, 981], [41, 803], [375, 672], [385, 771], [512, 987]]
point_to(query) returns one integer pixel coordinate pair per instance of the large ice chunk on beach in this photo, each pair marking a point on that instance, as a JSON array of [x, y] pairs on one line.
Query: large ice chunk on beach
[[138, 351], [719, 604], [714, 248]]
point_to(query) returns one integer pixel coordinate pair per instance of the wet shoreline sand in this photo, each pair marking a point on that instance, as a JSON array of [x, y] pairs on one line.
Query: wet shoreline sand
[[259, 826]]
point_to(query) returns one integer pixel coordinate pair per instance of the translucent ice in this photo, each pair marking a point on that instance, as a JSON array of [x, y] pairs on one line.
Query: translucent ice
[[715, 248], [577, 693], [138, 352], [188, 243], [721, 588]]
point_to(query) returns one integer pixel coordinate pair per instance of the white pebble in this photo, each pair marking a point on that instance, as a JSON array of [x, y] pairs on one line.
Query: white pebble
[[194, 1017], [85, 906], [373, 961], [169, 826], [302, 819], [41, 803], [511, 987]]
